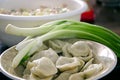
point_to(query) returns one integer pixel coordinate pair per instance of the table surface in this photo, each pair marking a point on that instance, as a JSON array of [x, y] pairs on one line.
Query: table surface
[[108, 17]]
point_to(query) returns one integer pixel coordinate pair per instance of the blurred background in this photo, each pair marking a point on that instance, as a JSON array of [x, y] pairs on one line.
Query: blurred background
[[101, 12], [106, 13]]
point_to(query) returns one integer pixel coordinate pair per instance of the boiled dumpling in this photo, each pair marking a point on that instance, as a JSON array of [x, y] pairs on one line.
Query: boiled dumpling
[[66, 63], [30, 76], [93, 69], [87, 64], [65, 50], [56, 45], [88, 57], [63, 76], [71, 71], [34, 77], [82, 64], [43, 67], [50, 53], [27, 71], [66, 74], [77, 76], [79, 48], [66, 59]]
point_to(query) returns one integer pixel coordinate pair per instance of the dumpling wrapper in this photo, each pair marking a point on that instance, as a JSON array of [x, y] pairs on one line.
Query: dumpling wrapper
[[74, 70], [88, 57], [87, 64], [66, 63], [27, 71], [56, 45], [66, 74], [77, 76], [82, 64], [66, 51], [43, 67], [79, 48], [50, 53], [93, 69], [63, 76], [34, 77]]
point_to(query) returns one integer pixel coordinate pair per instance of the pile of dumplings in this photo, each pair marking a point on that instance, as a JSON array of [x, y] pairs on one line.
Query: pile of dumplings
[[71, 59]]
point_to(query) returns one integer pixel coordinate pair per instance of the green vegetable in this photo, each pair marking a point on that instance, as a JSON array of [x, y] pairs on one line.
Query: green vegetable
[[35, 31], [64, 29]]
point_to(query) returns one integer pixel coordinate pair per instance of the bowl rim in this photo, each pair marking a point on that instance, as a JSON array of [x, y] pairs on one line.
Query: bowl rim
[[2, 70], [92, 78], [83, 8], [109, 70]]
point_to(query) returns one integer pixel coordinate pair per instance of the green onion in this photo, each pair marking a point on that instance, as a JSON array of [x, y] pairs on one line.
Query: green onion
[[62, 29], [34, 31]]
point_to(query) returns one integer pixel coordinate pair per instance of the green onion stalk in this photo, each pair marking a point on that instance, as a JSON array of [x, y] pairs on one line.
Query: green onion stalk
[[61, 29]]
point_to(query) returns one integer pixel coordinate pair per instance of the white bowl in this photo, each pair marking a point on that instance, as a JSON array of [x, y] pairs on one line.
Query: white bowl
[[76, 6], [103, 55]]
